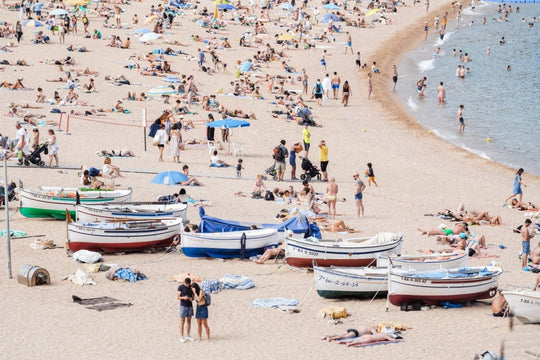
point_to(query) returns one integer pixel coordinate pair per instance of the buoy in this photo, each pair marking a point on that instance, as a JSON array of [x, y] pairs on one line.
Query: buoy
[[431, 131], [363, 130], [488, 139]]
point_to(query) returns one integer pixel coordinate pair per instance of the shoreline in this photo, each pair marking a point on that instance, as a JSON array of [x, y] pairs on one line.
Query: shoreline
[[395, 107]]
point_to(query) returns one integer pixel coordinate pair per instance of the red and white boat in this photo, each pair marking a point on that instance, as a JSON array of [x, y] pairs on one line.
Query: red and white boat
[[433, 287], [123, 235], [341, 252]]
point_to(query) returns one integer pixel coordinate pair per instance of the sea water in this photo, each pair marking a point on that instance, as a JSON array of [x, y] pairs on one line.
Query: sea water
[[501, 106]]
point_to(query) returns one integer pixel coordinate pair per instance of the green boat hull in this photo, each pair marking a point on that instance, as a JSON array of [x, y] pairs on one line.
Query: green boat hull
[[45, 213]]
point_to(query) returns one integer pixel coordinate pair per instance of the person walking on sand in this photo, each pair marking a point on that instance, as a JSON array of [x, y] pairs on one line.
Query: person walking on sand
[[53, 148], [358, 188], [441, 93], [201, 313], [347, 92], [370, 86], [517, 186], [394, 77], [323, 158], [461, 121], [185, 295], [370, 174], [331, 197], [426, 30], [160, 139], [318, 91], [349, 43], [336, 81], [306, 137]]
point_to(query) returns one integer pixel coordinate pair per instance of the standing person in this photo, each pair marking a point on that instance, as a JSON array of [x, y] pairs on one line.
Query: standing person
[[346, 93], [160, 139], [441, 93], [426, 30], [174, 142], [85, 22], [370, 174], [349, 43], [22, 146], [394, 77], [118, 16], [358, 61], [336, 81], [327, 85], [304, 82], [318, 91], [369, 86], [201, 58], [281, 153], [306, 138], [427, 5], [185, 295], [358, 188], [526, 236], [210, 130], [323, 158], [421, 86], [74, 24], [239, 168], [517, 186], [201, 313], [331, 197], [323, 60], [18, 31], [62, 33], [461, 121], [53, 148], [292, 158]]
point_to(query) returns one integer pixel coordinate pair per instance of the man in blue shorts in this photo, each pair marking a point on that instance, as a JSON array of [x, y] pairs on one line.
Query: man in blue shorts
[[185, 295], [358, 188], [526, 244]]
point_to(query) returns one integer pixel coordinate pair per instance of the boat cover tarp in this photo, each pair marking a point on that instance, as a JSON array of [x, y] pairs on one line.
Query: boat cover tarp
[[274, 302], [298, 225], [460, 273]]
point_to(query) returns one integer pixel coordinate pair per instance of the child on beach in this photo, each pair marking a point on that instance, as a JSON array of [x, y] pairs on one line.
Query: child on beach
[[370, 174], [239, 168]]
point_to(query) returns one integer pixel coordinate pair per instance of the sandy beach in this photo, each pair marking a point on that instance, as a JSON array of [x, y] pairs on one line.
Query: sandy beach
[[417, 174]]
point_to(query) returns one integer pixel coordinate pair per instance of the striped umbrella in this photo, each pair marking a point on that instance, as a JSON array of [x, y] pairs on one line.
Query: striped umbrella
[[161, 90], [32, 23]]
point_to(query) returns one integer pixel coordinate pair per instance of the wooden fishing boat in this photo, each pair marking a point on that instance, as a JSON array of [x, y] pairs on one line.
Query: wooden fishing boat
[[525, 304], [341, 252], [357, 282], [228, 244], [131, 211], [123, 235], [426, 262], [433, 287], [49, 201]]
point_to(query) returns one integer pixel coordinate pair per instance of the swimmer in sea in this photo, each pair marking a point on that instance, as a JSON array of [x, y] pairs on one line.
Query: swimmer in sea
[[461, 121], [441, 93], [421, 86]]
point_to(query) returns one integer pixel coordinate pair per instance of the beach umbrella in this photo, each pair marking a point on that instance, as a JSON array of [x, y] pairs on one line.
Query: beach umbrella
[[171, 79], [228, 123], [141, 31], [226, 7], [169, 178], [286, 6], [331, 6], [151, 36], [161, 90], [372, 12], [327, 17], [76, 2], [32, 23], [218, 2], [286, 37], [57, 12]]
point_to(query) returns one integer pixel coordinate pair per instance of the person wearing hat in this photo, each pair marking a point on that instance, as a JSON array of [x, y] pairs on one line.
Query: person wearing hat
[[358, 188]]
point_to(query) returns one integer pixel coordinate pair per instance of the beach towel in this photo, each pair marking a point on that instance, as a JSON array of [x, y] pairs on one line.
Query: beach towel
[[100, 303], [86, 256], [211, 286], [275, 302], [126, 274], [377, 343], [239, 282], [13, 233]]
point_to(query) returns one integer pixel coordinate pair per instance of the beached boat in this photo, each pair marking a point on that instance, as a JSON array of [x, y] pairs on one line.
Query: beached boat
[[49, 201], [298, 225], [230, 244], [426, 262], [433, 287], [525, 304], [341, 252], [123, 235], [358, 282], [131, 211]]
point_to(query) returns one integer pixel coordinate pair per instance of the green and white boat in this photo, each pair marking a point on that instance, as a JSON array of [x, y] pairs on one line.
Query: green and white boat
[[50, 201]]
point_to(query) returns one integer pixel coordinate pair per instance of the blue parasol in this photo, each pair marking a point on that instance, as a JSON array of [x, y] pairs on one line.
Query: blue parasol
[[169, 178]]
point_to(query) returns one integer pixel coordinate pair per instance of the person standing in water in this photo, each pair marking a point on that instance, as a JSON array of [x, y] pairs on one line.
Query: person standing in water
[[441, 93], [461, 121]]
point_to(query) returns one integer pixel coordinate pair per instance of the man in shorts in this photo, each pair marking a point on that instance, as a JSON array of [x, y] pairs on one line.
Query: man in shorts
[[526, 237], [281, 155], [358, 188], [306, 138], [185, 295], [318, 91]]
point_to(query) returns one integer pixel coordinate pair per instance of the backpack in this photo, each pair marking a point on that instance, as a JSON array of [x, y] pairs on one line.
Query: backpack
[[207, 299], [278, 154], [318, 88], [269, 196]]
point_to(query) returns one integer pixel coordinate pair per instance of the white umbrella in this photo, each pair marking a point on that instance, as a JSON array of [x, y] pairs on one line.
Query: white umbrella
[[151, 36], [161, 90], [58, 12]]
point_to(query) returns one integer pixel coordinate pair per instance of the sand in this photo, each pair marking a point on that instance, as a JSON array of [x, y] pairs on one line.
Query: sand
[[417, 174]]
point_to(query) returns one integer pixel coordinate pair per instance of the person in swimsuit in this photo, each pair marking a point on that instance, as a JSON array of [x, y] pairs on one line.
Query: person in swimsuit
[[461, 121], [394, 76], [366, 339], [352, 333], [421, 86], [441, 93], [458, 228], [499, 306], [349, 43], [359, 187], [331, 197]]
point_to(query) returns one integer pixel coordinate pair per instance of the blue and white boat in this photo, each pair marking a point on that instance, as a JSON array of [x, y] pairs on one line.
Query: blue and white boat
[[130, 211]]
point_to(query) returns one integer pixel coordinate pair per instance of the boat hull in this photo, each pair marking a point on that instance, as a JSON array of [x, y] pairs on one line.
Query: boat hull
[[301, 253], [525, 305], [46, 202], [339, 282], [130, 211], [228, 244], [119, 237], [426, 263], [405, 288]]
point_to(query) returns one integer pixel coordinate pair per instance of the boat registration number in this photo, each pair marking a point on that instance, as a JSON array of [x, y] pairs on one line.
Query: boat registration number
[[307, 252], [412, 279], [527, 301]]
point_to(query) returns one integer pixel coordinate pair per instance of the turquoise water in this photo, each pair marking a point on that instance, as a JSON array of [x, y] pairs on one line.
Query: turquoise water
[[502, 108]]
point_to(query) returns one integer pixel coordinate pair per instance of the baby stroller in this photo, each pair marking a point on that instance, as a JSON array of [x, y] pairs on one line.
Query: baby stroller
[[35, 156], [310, 171], [271, 171]]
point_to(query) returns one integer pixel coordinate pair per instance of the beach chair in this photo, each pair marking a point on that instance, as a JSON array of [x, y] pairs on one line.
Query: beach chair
[[237, 150], [211, 147]]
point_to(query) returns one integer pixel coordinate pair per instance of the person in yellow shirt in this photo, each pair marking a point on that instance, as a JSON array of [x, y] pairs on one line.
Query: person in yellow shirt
[[323, 158], [306, 135]]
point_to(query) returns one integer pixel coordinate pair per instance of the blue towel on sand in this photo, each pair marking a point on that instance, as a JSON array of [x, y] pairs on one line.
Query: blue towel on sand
[[274, 302]]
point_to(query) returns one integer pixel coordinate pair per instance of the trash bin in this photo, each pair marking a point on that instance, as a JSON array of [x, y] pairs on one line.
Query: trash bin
[[31, 275]]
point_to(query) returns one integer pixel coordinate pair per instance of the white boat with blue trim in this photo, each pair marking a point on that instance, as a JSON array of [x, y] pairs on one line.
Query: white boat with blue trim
[[130, 211]]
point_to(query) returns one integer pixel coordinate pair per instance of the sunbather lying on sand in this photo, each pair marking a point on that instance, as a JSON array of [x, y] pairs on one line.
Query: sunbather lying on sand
[[338, 226], [444, 230], [366, 339], [352, 333], [269, 253], [523, 206]]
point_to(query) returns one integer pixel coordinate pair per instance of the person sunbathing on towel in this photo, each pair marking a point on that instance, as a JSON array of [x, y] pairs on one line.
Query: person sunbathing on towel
[[367, 339], [458, 228], [338, 226], [352, 333], [269, 253]]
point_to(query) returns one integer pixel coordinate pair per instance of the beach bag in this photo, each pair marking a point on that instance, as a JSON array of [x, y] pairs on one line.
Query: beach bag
[[207, 299], [155, 142], [269, 196]]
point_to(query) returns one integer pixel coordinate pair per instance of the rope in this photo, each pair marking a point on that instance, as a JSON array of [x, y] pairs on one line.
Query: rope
[[111, 121]]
